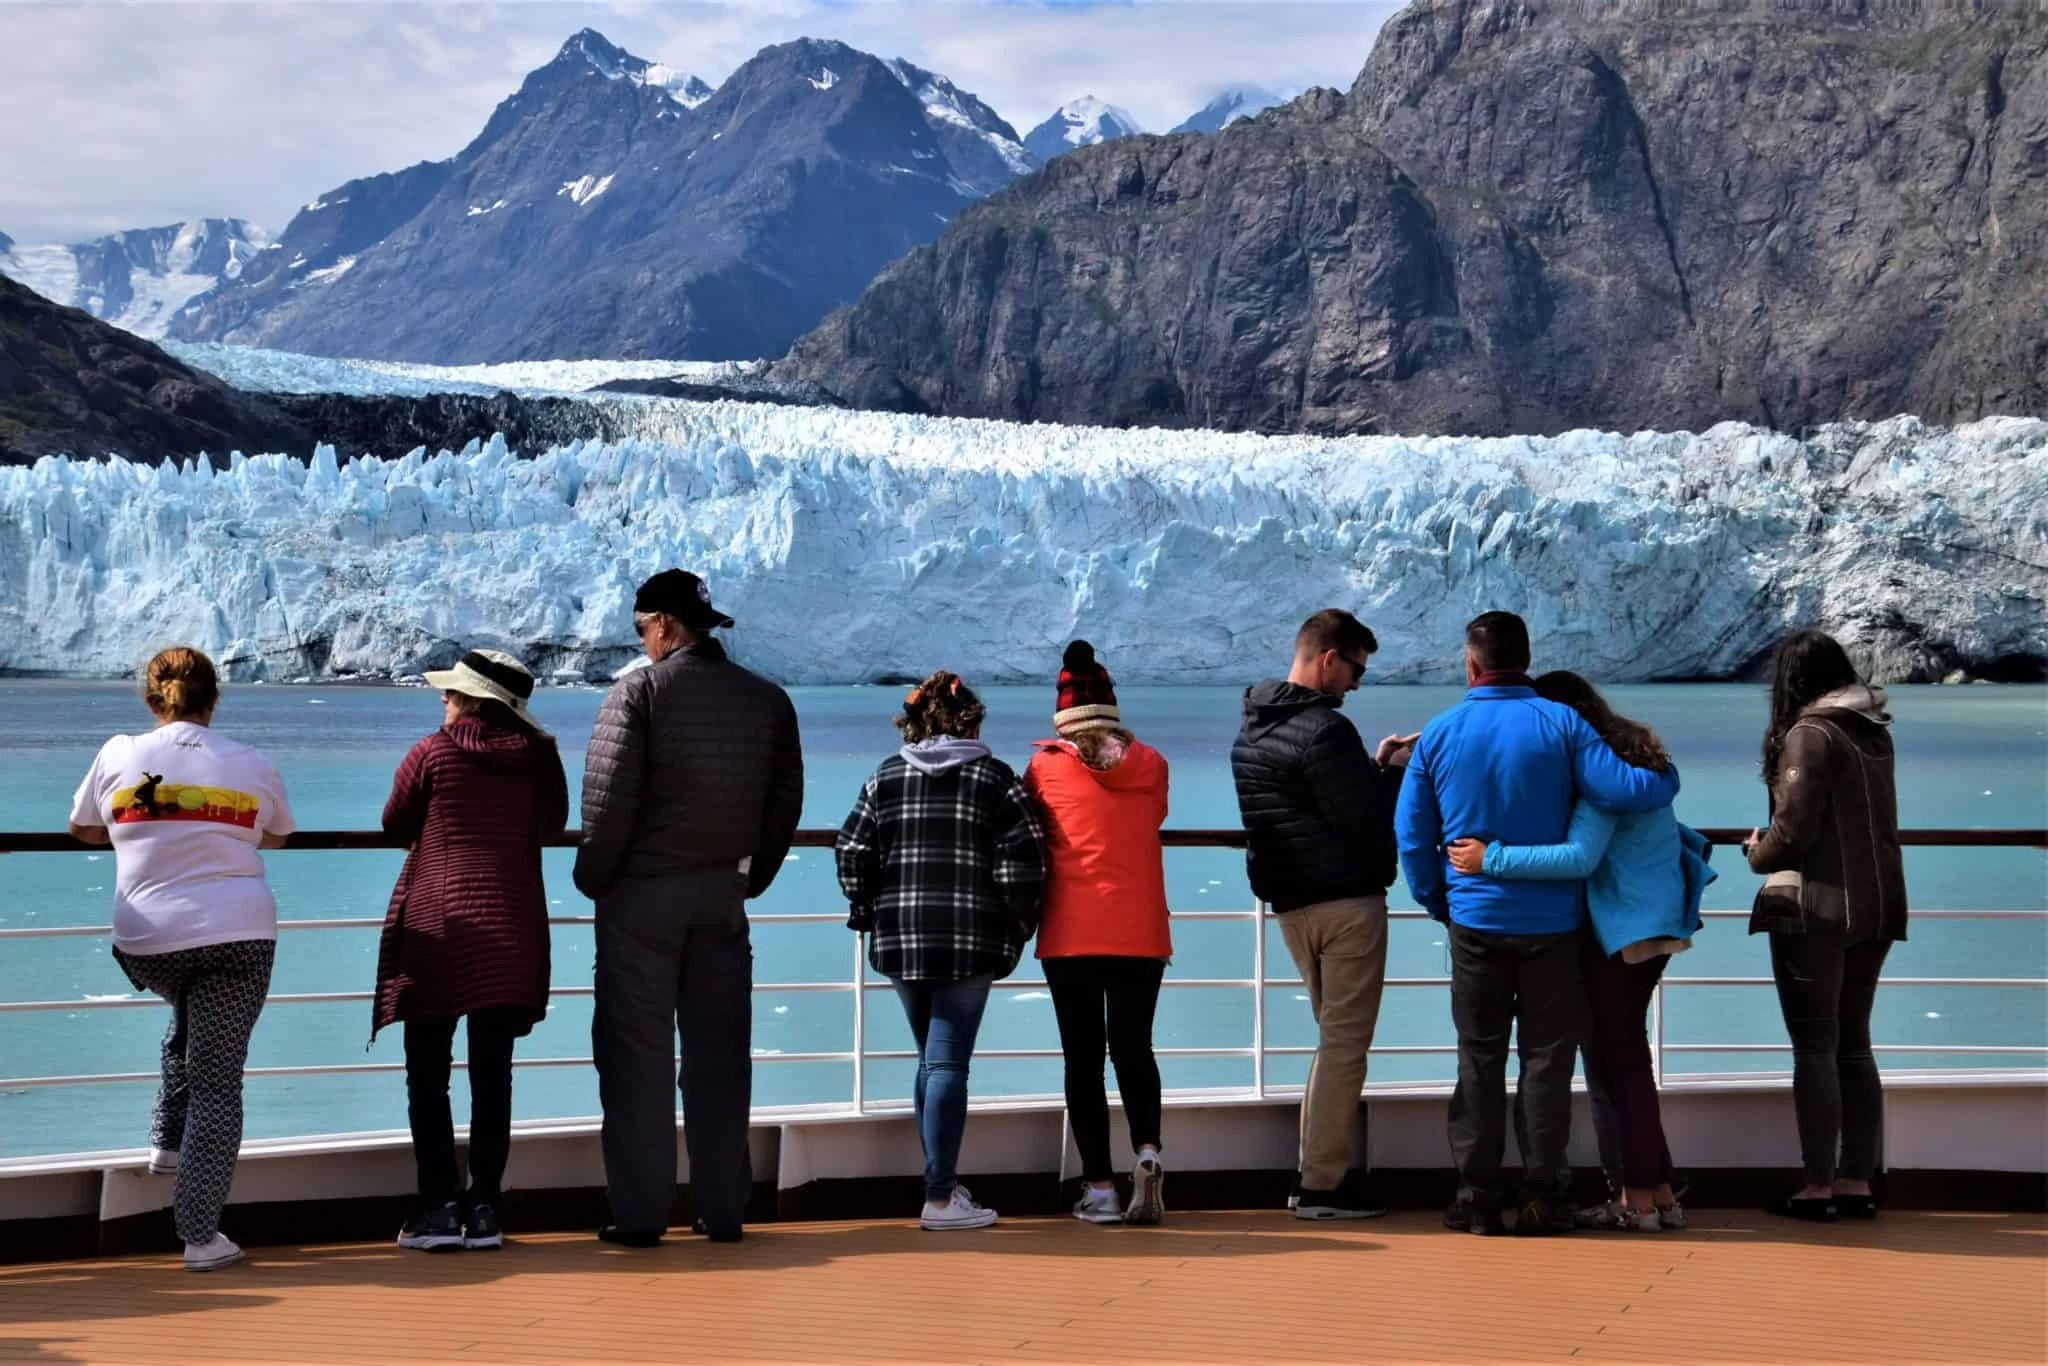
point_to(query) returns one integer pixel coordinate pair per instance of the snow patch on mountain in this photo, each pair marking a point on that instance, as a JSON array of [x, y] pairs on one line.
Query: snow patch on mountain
[[138, 279], [1237, 102], [946, 104], [615, 63], [583, 189], [1079, 123], [853, 546]]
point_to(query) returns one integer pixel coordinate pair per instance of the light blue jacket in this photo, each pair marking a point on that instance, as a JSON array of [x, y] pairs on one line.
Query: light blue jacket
[[1504, 766], [1641, 878]]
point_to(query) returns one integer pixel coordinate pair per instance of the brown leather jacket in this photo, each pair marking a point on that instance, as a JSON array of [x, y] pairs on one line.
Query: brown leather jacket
[[1835, 821]]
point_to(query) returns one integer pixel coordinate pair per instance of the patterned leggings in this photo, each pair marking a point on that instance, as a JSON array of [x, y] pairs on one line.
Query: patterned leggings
[[216, 992]]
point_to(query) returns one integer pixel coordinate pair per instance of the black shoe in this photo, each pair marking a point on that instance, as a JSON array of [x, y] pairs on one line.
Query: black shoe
[[628, 1237], [1463, 1216], [434, 1230], [723, 1235], [1544, 1216], [1856, 1206], [480, 1229], [1815, 1209]]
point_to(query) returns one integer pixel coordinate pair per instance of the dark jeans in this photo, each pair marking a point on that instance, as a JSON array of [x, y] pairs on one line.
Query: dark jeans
[[1533, 985], [429, 1053], [1107, 1003], [674, 957], [1618, 1052], [1825, 989], [944, 1018]]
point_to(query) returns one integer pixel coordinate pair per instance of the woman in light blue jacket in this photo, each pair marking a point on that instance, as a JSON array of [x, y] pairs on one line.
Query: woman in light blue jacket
[[1644, 873]]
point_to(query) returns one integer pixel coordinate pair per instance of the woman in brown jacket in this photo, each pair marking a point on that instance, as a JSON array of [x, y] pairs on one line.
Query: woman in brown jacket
[[1834, 903], [467, 930]]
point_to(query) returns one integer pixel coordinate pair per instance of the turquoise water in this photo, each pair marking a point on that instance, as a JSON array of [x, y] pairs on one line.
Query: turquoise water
[[1967, 757]]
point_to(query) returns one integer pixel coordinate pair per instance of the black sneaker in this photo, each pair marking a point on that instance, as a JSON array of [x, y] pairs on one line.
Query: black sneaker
[[628, 1237], [481, 1229], [1463, 1216], [1544, 1215], [435, 1230], [1343, 1203], [721, 1235]]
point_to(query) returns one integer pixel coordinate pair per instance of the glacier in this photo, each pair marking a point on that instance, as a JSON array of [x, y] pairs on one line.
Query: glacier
[[859, 547]]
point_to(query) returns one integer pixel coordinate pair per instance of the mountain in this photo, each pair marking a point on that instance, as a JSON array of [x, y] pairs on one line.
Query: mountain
[[613, 207], [137, 279], [1522, 218], [1078, 123], [1238, 102]]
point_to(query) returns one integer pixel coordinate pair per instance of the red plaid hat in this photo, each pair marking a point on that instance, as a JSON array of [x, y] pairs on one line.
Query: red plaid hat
[[1087, 699]]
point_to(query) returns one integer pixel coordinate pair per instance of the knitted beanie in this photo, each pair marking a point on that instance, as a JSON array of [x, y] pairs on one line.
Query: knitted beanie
[[1087, 699]]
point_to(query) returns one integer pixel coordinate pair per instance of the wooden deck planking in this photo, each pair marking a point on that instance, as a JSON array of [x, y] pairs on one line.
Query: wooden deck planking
[[1205, 1287]]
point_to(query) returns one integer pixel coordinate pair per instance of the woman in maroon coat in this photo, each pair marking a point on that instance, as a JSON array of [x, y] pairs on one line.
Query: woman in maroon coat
[[467, 931]]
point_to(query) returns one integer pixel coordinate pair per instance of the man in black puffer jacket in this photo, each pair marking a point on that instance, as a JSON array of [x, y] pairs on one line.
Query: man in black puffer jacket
[[1319, 820], [691, 793]]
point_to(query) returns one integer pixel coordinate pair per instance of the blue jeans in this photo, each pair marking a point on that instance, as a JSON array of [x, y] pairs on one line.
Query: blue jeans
[[944, 1017]]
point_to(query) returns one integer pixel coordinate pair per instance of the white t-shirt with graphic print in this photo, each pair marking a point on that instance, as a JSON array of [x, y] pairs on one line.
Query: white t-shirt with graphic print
[[186, 809]]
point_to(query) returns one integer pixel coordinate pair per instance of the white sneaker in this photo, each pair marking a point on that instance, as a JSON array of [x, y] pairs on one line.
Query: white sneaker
[[958, 1212], [163, 1161], [220, 1251], [1099, 1206], [1148, 1190]]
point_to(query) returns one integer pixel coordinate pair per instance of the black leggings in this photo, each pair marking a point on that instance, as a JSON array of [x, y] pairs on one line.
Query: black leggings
[[1107, 1003], [429, 1050], [1825, 987]]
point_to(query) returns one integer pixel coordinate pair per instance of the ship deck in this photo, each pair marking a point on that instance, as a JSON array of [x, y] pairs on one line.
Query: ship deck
[[1246, 1287]]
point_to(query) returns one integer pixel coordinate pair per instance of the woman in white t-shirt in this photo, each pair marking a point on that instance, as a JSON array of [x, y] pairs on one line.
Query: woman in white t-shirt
[[186, 811]]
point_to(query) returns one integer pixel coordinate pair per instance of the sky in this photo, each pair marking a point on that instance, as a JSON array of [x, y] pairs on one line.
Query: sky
[[136, 114]]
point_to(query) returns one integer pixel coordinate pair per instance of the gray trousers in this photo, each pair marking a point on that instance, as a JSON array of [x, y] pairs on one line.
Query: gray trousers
[[674, 957]]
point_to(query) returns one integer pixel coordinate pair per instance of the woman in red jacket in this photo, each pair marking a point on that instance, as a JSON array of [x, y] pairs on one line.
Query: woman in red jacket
[[1104, 940], [467, 930]]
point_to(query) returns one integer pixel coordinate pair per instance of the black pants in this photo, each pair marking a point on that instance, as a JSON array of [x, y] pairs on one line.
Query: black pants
[[1618, 1053], [429, 1054], [1532, 985], [1826, 986], [1107, 1002]]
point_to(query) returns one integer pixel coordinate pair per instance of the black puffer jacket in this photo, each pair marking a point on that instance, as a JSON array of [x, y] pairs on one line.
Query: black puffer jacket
[[693, 762], [1318, 812]]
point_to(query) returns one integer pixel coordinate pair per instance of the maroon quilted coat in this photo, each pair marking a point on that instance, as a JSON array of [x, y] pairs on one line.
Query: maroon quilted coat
[[468, 923]]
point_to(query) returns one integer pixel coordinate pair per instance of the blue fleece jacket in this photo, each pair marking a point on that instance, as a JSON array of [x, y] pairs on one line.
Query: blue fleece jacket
[[1635, 867], [1505, 766]]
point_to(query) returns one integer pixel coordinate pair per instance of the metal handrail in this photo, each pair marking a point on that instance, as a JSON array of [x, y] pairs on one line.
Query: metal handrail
[[858, 986]]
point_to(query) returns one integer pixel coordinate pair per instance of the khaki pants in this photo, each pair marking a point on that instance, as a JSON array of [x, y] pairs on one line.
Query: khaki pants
[[1341, 949]]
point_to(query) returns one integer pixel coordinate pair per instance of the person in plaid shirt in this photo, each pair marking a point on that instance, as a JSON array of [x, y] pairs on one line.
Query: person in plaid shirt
[[943, 862]]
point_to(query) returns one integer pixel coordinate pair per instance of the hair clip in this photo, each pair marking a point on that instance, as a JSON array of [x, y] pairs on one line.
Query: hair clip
[[916, 696], [954, 687]]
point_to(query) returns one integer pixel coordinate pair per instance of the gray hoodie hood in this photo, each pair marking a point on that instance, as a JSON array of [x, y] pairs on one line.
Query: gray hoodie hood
[[941, 752]]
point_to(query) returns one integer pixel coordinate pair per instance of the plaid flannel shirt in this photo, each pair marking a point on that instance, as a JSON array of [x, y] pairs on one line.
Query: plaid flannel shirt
[[946, 871]]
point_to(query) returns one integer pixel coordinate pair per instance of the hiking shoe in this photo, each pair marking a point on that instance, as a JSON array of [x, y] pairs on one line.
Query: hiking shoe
[[629, 1237], [955, 1212], [1545, 1215], [480, 1229], [1341, 1203], [212, 1255], [435, 1230], [1148, 1190], [1099, 1206], [1463, 1216], [163, 1161]]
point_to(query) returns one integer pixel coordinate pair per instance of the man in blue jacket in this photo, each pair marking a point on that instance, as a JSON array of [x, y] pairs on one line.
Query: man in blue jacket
[[1505, 766]]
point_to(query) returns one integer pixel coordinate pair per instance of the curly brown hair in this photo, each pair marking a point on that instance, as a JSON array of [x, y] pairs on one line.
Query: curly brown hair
[[1635, 742], [941, 705]]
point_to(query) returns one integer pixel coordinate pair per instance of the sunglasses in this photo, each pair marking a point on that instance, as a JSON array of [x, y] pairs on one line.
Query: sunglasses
[[642, 625], [1357, 667]]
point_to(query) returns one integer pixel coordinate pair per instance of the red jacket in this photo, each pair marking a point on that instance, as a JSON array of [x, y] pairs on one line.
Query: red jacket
[[468, 923], [1105, 876]]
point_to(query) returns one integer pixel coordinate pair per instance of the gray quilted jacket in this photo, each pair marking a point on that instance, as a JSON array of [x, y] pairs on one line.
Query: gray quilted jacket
[[694, 762]]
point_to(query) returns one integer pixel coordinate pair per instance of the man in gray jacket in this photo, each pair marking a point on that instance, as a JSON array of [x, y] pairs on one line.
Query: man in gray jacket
[[691, 795]]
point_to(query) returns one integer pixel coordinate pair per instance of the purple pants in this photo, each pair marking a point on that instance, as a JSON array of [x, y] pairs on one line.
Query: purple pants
[[1618, 1045]]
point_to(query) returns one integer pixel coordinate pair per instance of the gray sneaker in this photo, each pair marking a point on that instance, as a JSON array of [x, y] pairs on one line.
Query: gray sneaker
[[1148, 1192]]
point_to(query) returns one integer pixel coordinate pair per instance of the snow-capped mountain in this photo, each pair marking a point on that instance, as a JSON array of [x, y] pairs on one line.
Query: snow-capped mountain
[[1238, 102], [137, 280], [613, 207], [1079, 123], [854, 546]]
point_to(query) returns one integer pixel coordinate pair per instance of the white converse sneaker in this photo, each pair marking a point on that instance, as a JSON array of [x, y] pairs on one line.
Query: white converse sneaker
[[163, 1161], [1099, 1206], [1148, 1189], [958, 1212], [212, 1255]]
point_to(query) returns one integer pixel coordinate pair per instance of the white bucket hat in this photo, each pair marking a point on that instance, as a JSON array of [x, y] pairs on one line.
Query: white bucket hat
[[492, 675]]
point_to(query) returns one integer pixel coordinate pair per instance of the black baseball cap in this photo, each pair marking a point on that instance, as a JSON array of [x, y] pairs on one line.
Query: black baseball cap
[[682, 595]]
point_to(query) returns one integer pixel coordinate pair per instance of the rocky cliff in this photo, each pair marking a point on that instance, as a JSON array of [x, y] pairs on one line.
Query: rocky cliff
[[1526, 218]]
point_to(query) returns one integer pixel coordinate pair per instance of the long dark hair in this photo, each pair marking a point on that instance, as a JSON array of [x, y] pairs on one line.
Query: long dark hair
[[1809, 665], [1635, 742]]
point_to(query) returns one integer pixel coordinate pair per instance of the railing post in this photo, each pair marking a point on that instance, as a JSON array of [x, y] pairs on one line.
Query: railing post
[[1258, 999], [860, 1024]]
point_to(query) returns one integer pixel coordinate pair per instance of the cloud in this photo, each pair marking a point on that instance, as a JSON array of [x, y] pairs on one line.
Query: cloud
[[129, 115]]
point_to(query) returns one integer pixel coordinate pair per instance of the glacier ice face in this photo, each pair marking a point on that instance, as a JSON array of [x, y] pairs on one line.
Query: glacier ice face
[[854, 546], [289, 372]]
